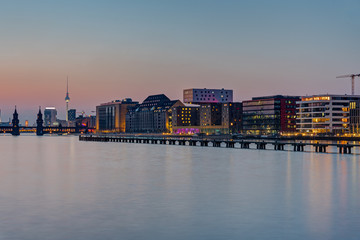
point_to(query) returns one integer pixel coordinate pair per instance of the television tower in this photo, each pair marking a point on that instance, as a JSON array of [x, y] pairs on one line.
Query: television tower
[[67, 99]]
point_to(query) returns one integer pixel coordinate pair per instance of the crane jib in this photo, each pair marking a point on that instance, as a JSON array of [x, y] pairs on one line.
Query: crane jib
[[352, 76]]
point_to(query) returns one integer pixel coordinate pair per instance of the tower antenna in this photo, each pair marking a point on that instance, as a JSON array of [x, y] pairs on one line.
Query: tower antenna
[[67, 99]]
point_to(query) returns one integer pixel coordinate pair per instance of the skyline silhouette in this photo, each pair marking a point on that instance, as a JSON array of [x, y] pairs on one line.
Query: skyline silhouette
[[119, 49]]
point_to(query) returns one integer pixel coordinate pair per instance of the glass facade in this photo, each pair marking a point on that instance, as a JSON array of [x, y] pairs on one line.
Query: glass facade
[[269, 115], [354, 117]]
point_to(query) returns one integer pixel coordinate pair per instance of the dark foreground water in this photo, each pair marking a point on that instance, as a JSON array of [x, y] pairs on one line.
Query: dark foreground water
[[60, 188]]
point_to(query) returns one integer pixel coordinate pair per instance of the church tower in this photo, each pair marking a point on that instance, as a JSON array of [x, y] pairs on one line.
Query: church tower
[[39, 124], [15, 124]]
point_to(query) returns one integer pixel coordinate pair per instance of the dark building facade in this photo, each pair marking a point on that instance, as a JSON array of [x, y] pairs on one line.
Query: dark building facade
[[211, 118], [153, 115], [270, 115], [186, 119], [211, 114], [186, 116], [112, 116], [71, 115], [232, 117]]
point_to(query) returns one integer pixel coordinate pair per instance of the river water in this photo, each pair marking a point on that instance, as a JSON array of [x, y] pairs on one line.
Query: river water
[[55, 187]]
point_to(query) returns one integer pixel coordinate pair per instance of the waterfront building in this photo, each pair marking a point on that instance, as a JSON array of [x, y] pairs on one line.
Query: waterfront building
[[211, 119], [111, 116], [187, 115], [50, 116], [325, 114], [153, 115], [199, 96], [270, 115], [186, 119], [354, 111], [232, 117], [211, 114]]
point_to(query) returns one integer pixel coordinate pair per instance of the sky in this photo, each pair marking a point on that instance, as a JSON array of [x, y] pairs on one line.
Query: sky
[[113, 49]]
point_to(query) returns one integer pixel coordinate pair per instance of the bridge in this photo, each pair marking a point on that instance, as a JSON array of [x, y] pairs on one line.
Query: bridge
[[48, 130], [15, 129]]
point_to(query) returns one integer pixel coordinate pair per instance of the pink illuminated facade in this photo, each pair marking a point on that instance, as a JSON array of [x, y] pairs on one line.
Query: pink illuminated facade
[[186, 130]]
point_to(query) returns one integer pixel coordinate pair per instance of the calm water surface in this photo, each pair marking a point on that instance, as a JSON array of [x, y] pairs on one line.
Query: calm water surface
[[60, 188]]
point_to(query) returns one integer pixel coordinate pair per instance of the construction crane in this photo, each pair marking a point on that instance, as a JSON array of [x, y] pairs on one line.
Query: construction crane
[[352, 76]]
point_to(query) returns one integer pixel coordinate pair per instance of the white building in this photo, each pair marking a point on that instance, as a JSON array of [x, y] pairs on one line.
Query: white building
[[198, 96], [324, 113]]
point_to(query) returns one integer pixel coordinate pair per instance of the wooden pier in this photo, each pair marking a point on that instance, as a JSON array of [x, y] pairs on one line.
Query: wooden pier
[[300, 146]]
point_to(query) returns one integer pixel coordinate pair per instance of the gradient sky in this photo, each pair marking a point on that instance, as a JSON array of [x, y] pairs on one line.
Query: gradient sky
[[114, 49]]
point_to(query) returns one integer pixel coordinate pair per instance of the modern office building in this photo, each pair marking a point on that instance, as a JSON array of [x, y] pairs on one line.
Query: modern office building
[[111, 116], [354, 111], [199, 96], [153, 115], [270, 115], [71, 115], [50, 116], [325, 114], [232, 117]]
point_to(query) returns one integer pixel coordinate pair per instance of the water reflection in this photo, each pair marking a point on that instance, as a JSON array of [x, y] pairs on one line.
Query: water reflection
[[318, 191], [66, 189]]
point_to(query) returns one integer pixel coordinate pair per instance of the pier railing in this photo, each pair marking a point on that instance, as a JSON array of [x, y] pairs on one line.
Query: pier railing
[[342, 148]]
